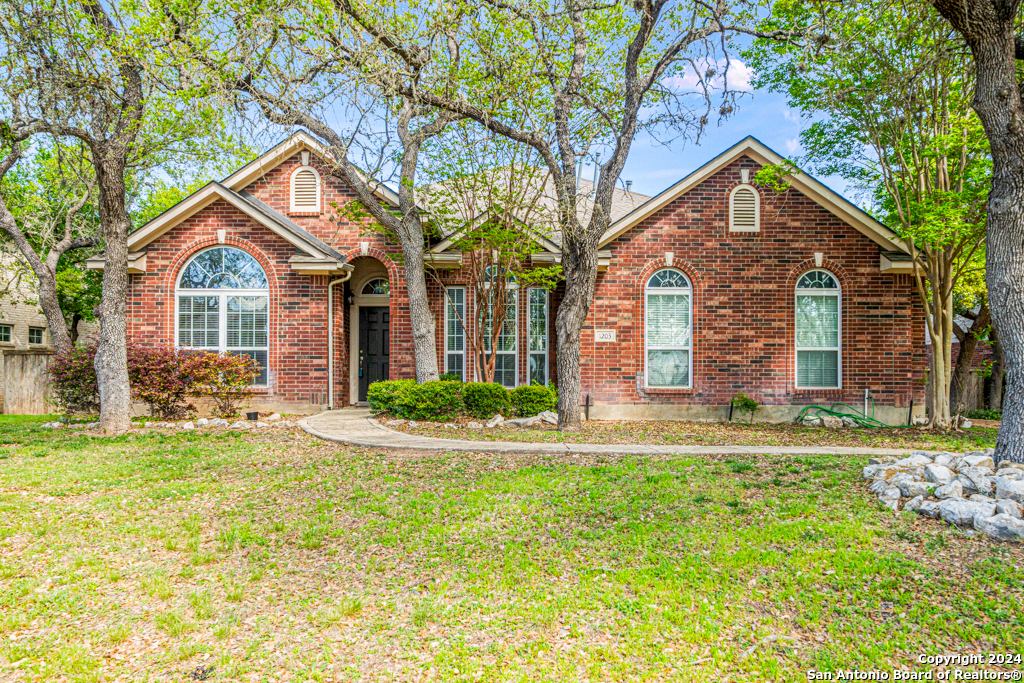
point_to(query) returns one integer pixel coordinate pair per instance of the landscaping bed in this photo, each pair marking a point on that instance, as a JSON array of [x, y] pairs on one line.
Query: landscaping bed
[[269, 555], [670, 433]]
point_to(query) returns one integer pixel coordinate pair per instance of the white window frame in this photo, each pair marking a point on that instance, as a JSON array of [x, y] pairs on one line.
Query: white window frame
[[461, 323], [222, 310], [10, 334], [647, 347], [547, 332], [757, 209], [291, 191], [513, 290], [838, 293], [42, 335]]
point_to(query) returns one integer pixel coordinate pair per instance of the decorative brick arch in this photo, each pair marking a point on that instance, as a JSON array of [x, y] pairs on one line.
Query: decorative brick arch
[[639, 315], [170, 283], [845, 284], [381, 256]]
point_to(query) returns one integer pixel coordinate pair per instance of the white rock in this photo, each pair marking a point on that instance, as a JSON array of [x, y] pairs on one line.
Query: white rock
[[241, 424], [273, 417], [523, 422], [812, 422], [831, 422], [495, 421], [978, 498], [920, 421], [954, 490], [929, 508], [938, 474], [943, 459], [394, 423], [188, 425], [549, 416], [1006, 464], [202, 422], [1009, 507], [1001, 526], [870, 470], [414, 423], [1009, 489], [849, 422], [913, 489], [449, 425], [964, 512], [285, 423], [978, 459], [913, 503], [916, 460], [975, 480], [475, 425], [890, 498], [878, 486], [262, 424], [966, 424], [1011, 473], [882, 460], [220, 422]]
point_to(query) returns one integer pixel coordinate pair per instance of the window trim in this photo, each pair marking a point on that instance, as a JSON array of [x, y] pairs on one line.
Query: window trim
[[757, 209], [838, 293], [10, 334], [514, 291], [547, 333], [42, 336], [222, 294], [691, 291], [292, 208], [447, 319]]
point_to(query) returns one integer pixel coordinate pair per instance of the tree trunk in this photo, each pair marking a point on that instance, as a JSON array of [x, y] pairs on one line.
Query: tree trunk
[[75, 319], [423, 328], [988, 27], [965, 361], [579, 266], [995, 390], [112, 352]]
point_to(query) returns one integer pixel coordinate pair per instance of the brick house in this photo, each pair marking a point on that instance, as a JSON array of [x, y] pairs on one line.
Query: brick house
[[715, 286]]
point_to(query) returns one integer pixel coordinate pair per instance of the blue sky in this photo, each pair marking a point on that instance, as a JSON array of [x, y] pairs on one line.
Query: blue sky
[[653, 167]]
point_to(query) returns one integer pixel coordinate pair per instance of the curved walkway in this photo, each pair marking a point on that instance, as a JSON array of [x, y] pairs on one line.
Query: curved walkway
[[358, 428]]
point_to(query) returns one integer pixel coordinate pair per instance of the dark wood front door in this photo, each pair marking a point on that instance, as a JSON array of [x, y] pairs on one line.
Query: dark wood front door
[[374, 346]]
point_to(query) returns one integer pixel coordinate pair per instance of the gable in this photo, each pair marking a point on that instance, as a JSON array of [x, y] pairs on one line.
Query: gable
[[802, 182]]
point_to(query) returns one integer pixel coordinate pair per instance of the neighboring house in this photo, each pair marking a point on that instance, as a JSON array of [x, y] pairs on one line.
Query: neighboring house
[[714, 287]]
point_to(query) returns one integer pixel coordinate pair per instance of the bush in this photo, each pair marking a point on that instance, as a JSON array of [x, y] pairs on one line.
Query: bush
[[73, 386], [164, 378], [984, 415], [483, 400], [432, 401], [745, 404], [531, 400], [227, 379], [383, 396], [449, 377]]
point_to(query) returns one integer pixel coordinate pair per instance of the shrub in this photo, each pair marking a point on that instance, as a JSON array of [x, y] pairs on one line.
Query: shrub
[[227, 379], [483, 400], [433, 401], [449, 377], [73, 386], [383, 396], [985, 414], [165, 377], [745, 404], [530, 400]]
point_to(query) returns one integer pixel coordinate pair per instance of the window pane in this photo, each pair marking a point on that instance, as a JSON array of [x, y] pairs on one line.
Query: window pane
[[668, 278], [35, 335], [454, 365], [5, 333], [668, 320], [668, 368], [261, 359], [507, 337], [505, 369], [455, 333], [817, 368], [538, 320], [538, 368], [817, 321], [199, 321], [247, 321], [223, 268]]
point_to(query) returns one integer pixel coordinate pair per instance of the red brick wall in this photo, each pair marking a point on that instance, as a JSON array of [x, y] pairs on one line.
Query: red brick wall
[[744, 304]]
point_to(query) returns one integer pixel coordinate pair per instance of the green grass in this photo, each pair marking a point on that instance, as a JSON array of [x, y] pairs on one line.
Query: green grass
[[260, 554]]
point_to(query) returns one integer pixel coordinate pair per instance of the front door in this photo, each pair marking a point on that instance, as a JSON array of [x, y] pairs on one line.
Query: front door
[[374, 346]]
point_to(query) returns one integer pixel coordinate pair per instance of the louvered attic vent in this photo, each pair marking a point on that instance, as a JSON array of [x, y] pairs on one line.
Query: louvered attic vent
[[744, 210], [305, 191]]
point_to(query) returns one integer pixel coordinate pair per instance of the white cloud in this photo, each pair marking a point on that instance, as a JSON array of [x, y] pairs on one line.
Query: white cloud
[[790, 115], [793, 145], [738, 76]]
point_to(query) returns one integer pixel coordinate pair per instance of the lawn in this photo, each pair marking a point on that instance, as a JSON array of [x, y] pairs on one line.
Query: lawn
[[272, 556], [668, 433]]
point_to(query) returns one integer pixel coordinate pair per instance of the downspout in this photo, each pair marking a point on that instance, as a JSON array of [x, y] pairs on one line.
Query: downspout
[[330, 337]]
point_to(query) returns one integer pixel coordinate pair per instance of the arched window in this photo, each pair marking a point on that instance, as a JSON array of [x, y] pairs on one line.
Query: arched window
[[223, 301], [377, 286], [818, 331], [305, 190], [744, 209], [668, 301]]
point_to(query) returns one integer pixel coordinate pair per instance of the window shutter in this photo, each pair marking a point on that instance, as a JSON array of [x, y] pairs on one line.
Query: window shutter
[[744, 211], [304, 187]]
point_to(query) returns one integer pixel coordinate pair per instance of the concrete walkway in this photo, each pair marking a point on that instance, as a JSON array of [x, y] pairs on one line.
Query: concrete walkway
[[357, 428]]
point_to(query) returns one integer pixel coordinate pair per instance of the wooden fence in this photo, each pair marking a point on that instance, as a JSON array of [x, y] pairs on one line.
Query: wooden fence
[[26, 382]]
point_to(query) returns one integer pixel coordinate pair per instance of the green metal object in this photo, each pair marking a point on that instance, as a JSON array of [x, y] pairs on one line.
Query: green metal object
[[857, 416]]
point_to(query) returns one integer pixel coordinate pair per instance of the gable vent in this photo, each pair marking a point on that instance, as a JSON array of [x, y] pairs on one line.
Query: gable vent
[[305, 191], [744, 210]]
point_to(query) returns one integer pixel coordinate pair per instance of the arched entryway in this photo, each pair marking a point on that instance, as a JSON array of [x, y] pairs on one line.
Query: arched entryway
[[369, 315]]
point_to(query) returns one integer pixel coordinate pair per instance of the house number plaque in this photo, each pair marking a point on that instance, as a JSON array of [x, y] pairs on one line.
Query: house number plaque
[[604, 335]]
